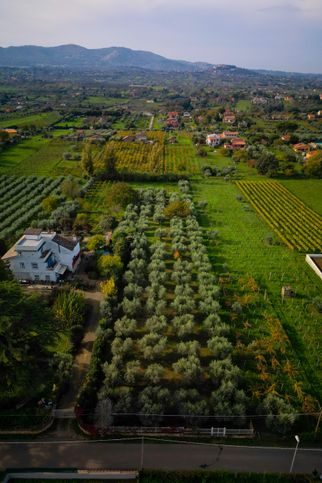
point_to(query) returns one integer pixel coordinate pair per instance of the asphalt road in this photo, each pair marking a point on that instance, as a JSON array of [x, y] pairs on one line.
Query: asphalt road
[[97, 455]]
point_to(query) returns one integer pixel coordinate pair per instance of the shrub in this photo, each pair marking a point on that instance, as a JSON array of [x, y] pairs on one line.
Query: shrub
[[69, 308], [120, 195], [95, 242], [177, 208], [108, 288], [109, 266]]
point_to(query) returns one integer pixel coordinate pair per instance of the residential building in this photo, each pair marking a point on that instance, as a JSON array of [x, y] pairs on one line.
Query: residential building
[[43, 256], [11, 132], [173, 115], [257, 100], [229, 134], [286, 137], [310, 154], [238, 143], [229, 117], [301, 148], [213, 140]]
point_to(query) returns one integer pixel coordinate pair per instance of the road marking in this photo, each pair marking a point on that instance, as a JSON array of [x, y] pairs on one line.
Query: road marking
[[192, 443]]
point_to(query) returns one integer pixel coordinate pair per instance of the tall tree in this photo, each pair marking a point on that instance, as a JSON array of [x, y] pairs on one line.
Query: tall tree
[[109, 160], [87, 160], [25, 332]]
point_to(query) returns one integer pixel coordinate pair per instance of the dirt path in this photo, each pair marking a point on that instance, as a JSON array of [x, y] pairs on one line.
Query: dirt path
[[83, 357]]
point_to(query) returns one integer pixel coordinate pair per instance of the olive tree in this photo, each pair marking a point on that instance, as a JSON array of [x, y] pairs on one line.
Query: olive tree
[[219, 346], [188, 368], [153, 373]]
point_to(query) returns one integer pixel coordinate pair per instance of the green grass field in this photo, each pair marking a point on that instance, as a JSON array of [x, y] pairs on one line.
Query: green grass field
[[38, 156], [39, 120], [241, 247], [244, 105], [106, 101]]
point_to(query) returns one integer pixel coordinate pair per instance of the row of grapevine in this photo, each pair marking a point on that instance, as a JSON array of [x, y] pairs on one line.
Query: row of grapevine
[[181, 159], [298, 226]]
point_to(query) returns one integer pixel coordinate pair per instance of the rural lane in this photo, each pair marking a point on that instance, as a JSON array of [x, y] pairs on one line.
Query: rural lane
[[118, 455]]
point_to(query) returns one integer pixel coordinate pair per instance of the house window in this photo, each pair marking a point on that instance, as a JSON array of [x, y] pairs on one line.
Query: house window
[[47, 278], [37, 278], [22, 265], [34, 265]]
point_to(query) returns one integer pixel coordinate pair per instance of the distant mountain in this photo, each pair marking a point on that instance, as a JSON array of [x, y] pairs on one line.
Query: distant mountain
[[75, 56]]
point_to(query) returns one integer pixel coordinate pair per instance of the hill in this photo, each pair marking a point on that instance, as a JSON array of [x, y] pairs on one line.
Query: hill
[[75, 56]]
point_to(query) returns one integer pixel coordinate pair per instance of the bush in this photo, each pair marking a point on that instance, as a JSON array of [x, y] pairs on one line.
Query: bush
[[108, 288], [177, 208], [120, 195], [109, 266], [95, 242], [69, 308]]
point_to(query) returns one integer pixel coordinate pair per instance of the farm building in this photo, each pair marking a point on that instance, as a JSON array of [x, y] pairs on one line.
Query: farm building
[[43, 256]]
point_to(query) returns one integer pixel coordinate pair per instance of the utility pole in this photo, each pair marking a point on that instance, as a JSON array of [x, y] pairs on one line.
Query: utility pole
[[293, 460], [142, 453], [318, 423]]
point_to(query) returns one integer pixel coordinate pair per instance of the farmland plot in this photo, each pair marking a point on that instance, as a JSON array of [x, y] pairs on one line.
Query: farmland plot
[[171, 350], [299, 227]]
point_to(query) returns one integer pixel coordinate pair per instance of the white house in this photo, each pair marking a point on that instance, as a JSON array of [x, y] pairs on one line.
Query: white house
[[213, 140], [43, 256]]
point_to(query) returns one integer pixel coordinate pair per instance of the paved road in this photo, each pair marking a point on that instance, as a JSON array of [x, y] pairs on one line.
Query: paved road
[[96, 455]]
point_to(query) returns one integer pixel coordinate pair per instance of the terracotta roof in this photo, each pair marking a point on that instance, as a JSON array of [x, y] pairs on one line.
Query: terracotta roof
[[311, 154], [301, 146], [63, 241]]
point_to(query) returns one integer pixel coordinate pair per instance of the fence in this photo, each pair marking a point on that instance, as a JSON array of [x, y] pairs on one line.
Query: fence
[[213, 432]]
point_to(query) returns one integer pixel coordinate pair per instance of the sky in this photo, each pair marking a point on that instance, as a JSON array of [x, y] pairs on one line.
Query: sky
[[269, 34]]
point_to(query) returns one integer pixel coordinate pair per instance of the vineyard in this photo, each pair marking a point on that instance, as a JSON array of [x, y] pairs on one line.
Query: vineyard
[[21, 199], [181, 159], [157, 158], [299, 227], [136, 157]]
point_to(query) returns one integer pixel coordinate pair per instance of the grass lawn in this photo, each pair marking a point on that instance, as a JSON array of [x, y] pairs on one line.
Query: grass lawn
[[157, 122], [215, 158], [244, 105], [243, 249], [38, 120], [308, 190]]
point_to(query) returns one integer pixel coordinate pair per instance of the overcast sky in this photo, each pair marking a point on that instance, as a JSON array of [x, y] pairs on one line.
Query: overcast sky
[[271, 34]]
